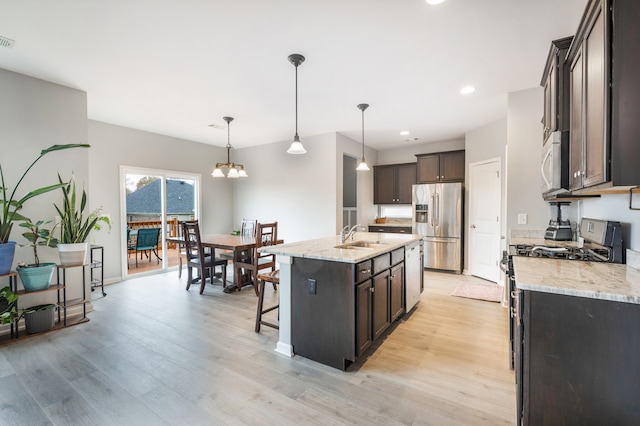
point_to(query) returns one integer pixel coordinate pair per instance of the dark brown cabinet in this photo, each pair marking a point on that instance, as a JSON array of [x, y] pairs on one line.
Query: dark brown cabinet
[[380, 314], [605, 97], [555, 81], [576, 360], [364, 336], [390, 229], [441, 167], [392, 184], [397, 291]]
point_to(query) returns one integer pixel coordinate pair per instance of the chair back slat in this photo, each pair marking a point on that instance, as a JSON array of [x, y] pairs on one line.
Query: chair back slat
[[193, 245], [267, 234], [249, 228]]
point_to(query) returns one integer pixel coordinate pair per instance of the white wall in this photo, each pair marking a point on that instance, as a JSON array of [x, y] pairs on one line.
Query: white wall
[[298, 191], [407, 153], [366, 210], [524, 139], [114, 146]]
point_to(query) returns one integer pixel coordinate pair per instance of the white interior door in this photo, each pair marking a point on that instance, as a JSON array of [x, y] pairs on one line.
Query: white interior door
[[484, 219]]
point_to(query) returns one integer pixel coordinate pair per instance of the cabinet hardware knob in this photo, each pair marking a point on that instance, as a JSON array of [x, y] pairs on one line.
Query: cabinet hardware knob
[[373, 290], [365, 271]]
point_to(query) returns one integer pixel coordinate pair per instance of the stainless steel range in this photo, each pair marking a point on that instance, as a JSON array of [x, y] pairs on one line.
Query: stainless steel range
[[602, 243]]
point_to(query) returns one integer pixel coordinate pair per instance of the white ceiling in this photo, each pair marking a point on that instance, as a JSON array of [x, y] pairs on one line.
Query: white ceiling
[[174, 67]]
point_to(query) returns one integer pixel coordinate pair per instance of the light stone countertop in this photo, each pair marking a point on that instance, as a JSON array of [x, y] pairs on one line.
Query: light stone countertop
[[325, 248], [542, 242], [595, 280]]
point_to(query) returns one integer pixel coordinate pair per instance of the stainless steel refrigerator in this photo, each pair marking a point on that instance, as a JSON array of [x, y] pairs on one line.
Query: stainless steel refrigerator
[[437, 214]]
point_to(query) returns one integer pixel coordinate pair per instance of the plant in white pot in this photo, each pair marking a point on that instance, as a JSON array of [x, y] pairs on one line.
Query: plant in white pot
[[10, 206], [75, 226], [36, 276]]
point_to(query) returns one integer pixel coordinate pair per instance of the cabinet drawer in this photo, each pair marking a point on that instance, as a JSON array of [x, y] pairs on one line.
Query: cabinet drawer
[[381, 263], [397, 256], [363, 271]]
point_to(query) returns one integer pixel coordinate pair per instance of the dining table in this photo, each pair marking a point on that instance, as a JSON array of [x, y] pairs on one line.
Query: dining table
[[241, 247]]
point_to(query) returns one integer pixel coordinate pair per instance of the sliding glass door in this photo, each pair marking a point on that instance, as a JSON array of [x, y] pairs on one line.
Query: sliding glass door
[[155, 203]]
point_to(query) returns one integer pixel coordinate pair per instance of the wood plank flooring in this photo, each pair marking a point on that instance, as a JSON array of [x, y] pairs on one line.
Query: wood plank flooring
[[156, 354]]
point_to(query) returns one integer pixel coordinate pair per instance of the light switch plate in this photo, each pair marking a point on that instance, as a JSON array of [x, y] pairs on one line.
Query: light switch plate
[[522, 218]]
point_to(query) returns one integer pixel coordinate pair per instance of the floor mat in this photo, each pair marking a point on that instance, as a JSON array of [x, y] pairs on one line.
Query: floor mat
[[489, 292]]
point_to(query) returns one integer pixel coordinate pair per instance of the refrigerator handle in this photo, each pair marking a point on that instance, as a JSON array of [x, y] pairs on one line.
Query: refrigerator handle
[[437, 209], [432, 209]]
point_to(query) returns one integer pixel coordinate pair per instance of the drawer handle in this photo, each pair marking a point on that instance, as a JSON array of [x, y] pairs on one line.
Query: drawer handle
[[365, 271], [513, 312]]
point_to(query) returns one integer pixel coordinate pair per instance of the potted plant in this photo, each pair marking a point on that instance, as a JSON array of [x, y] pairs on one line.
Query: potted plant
[[36, 276], [11, 205], [7, 305], [39, 318], [75, 226]]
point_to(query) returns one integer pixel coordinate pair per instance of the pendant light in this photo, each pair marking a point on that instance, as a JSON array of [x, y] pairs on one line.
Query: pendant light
[[296, 146], [235, 170], [363, 164]]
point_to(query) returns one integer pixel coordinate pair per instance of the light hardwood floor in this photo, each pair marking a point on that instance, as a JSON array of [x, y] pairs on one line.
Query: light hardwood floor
[[156, 354]]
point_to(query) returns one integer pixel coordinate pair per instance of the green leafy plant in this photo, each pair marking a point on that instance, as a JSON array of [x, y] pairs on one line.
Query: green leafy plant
[[11, 205], [8, 313], [37, 237], [75, 227]]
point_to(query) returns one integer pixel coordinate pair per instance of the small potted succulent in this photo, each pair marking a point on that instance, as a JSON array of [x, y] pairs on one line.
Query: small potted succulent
[[74, 225], [36, 276]]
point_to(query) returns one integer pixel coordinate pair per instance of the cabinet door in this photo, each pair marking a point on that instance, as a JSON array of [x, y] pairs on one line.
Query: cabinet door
[[383, 185], [363, 317], [575, 135], [405, 179], [595, 99], [397, 291], [452, 167], [428, 168], [380, 313], [548, 104]]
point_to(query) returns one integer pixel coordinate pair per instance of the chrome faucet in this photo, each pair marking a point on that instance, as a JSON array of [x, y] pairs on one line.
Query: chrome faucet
[[345, 235]]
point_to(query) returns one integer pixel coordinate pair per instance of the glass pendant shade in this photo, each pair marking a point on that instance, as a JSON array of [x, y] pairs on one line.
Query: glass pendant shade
[[362, 166], [296, 146], [235, 170]]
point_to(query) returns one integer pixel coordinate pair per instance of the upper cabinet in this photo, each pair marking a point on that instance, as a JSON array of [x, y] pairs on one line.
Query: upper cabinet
[[441, 167], [555, 81], [392, 184], [604, 63]]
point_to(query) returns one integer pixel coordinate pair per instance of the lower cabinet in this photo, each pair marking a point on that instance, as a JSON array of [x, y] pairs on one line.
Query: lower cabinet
[[577, 360], [346, 308]]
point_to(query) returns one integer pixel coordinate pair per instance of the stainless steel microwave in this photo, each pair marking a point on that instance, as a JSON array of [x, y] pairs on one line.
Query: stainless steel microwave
[[555, 164]]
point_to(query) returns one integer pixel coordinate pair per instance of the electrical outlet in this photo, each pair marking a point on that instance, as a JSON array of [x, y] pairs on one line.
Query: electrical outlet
[[311, 286], [522, 218]]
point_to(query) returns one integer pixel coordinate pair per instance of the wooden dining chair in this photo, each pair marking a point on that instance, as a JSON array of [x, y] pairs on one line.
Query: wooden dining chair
[[197, 258], [182, 251], [266, 235], [248, 229]]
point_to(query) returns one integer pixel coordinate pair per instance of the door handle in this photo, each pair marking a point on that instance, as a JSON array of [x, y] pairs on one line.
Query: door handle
[[473, 226]]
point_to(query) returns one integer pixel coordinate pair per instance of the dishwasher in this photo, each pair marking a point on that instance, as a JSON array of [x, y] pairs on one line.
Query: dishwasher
[[414, 275]]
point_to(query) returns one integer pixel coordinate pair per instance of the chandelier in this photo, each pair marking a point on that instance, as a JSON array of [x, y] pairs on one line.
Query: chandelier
[[235, 170]]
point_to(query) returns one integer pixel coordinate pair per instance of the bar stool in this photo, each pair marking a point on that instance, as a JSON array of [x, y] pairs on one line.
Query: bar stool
[[274, 278]]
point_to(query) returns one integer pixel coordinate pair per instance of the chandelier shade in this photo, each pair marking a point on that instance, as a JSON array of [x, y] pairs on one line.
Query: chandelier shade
[[234, 170]]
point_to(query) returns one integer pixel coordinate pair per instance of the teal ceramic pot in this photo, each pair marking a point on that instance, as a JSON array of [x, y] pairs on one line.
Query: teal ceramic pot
[[7, 251], [35, 278]]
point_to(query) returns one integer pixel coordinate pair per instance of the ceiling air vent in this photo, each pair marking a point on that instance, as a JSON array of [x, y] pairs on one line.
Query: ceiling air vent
[[6, 42]]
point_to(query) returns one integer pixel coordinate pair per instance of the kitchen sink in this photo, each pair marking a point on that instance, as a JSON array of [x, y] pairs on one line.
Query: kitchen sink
[[362, 245]]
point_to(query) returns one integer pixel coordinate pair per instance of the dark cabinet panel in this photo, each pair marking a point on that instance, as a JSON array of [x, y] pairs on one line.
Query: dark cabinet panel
[[391, 229], [364, 338], [555, 81], [605, 97], [578, 361], [441, 167], [380, 313], [392, 184], [397, 291]]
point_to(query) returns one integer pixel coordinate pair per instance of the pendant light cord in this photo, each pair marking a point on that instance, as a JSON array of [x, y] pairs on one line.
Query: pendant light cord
[[363, 134], [296, 99]]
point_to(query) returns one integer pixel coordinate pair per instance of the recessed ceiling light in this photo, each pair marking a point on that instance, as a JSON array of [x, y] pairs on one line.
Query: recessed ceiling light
[[404, 132], [467, 89], [435, 1], [411, 140]]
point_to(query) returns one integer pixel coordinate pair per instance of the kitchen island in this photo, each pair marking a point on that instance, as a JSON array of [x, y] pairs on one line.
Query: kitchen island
[[577, 342], [336, 298]]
